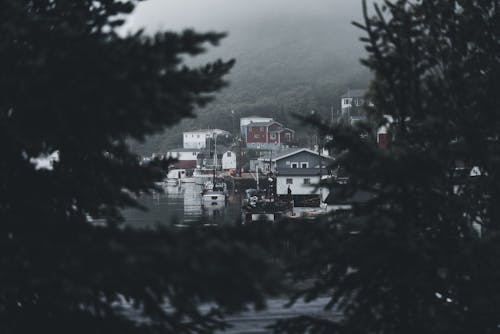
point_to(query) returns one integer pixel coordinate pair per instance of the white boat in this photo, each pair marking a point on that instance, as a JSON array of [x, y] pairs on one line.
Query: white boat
[[175, 176], [201, 176], [214, 193], [189, 179]]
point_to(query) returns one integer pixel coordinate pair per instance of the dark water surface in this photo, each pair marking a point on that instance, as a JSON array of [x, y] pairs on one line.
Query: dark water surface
[[182, 206]]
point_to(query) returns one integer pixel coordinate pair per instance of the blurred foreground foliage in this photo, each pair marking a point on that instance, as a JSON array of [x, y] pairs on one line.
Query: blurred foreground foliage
[[72, 91], [422, 255]]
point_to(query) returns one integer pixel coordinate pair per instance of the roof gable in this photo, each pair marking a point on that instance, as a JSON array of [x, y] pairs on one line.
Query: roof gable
[[297, 151], [265, 124]]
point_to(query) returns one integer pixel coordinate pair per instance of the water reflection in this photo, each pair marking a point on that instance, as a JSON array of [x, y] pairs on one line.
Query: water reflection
[[182, 206]]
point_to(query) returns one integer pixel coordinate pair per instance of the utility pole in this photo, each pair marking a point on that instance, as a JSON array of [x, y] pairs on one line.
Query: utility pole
[[232, 121], [270, 183], [331, 109], [240, 158], [215, 150], [320, 169], [257, 175]]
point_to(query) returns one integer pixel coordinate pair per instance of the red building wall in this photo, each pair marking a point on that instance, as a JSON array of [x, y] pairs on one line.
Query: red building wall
[[256, 134], [273, 127]]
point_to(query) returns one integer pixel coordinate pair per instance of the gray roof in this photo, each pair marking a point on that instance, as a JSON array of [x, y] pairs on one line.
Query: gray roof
[[291, 151], [355, 93], [263, 123], [280, 153], [186, 150], [281, 130], [299, 172]]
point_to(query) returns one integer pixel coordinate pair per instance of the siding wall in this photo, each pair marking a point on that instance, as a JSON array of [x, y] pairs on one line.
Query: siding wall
[[298, 187], [229, 160], [311, 159]]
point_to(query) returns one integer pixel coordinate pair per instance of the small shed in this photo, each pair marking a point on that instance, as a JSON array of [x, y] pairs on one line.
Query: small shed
[[228, 160]]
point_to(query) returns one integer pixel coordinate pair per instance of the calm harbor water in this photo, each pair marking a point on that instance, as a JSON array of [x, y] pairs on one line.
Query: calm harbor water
[[182, 206]]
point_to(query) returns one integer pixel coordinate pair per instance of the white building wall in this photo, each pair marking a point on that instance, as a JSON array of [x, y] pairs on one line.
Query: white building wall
[[182, 156], [194, 139], [298, 187], [229, 160], [346, 102], [198, 139]]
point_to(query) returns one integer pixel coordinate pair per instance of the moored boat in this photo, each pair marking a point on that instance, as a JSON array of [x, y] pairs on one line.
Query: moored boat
[[175, 176], [201, 175], [214, 192]]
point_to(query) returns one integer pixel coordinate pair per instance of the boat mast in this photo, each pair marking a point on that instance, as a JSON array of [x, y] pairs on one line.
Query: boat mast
[[215, 155]]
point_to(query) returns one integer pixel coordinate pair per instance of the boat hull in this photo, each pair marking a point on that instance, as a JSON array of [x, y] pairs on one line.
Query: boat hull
[[210, 197]]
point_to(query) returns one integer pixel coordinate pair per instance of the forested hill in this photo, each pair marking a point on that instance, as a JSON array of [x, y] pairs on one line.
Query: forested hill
[[282, 67]]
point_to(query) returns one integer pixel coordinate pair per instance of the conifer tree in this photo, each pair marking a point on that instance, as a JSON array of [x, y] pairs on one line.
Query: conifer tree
[[74, 89], [422, 255]]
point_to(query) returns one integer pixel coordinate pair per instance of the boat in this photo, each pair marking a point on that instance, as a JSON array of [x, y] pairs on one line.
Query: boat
[[264, 210], [202, 175], [214, 192], [260, 205], [174, 176], [188, 179]]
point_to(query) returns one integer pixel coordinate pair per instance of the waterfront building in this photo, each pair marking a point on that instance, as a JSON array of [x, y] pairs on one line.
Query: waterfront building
[[269, 136], [186, 157], [198, 139], [299, 171], [245, 121], [353, 104]]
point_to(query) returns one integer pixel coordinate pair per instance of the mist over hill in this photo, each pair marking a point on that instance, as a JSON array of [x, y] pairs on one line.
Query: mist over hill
[[287, 61]]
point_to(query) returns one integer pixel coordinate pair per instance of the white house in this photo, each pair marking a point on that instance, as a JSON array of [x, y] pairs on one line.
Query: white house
[[298, 173], [197, 139], [228, 160], [301, 181], [353, 105]]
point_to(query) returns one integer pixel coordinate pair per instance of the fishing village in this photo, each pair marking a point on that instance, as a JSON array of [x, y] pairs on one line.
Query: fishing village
[[260, 172]]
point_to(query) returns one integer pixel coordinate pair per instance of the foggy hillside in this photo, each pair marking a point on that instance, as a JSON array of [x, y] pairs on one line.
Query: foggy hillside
[[285, 64]]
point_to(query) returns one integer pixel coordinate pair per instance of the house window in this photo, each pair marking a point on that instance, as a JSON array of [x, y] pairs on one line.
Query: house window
[[295, 165], [229, 154], [287, 163], [304, 165], [273, 136], [194, 154], [307, 181], [261, 128], [289, 181], [287, 136], [256, 135], [197, 136]]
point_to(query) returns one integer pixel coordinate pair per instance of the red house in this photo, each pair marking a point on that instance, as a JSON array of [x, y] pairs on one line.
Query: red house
[[268, 135]]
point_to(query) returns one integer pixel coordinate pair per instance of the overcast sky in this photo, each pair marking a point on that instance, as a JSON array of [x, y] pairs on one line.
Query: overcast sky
[[231, 14]]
